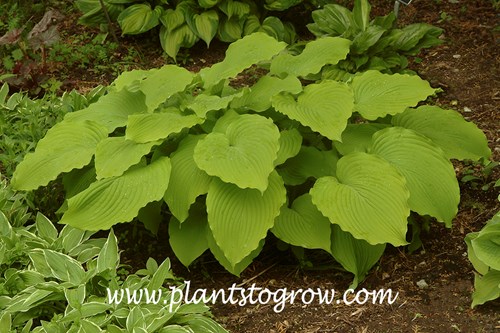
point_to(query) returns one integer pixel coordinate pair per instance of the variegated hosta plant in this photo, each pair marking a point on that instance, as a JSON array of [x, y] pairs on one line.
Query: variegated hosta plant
[[327, 165]]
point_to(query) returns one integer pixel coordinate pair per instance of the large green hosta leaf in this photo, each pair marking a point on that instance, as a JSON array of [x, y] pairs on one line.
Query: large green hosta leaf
[[377, 95], [368, 199], [112, 110], [357, 137], [187, 181], [303, 225], [355, 255], [240, 55], [203, 103], [430, 176], [144, 128], [258, 98], [118, 199], [290, 144], [65, 147], [487, 245], [115, 155], [243, 154], [457, 137], [189, 238], [324, 107], [486, 288], [239, 219], [316, 54], [139, 18]]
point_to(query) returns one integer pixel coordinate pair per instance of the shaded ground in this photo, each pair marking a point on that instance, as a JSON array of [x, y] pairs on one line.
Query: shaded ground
[[466, 68]]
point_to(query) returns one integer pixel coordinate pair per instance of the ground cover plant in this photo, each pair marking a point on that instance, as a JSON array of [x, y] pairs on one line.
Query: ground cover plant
[[328, 165]]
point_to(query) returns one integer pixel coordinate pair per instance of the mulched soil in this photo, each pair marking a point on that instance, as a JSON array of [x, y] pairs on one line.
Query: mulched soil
[[466, 68]]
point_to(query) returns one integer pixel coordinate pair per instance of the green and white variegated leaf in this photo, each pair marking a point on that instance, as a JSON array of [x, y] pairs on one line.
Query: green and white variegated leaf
[[203, 323], [355, 255], [357, 137], [64, 267], [486, 288], [230, 30], [240, 218], [203, 103], [145, 128], [290, 144], [118, 199], [240, 55], [325, 107], [303, 225], [161, 84], [187, 181], [45, 228], [189, 238], [316, 54], [221, 257], [457, 137], [237, 9], [139, 18], [309, 162], [368, 199], [115, 155], [172, 40], [258, 98], [55, 153], [243, 155], [112, 110], [204, 25], [108, 257], [430, 176], [377, 95]]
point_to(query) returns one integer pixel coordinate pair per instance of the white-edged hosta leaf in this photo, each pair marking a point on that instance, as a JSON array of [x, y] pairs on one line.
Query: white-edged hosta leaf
[[112, 110], [486, 288], [64, 267], [189, 238], [377, 95], [303, 225], [355, 255], [139, 18], [143, 128], [258, 97], [221, 258], [159, 85], [324, 107], [118, 199], [45, 228], [368, 199], [187, 181], [357, 137], [116, 154], [457, 137], [243, 155], [430, 176], [309, 162], [65, 147], [108, 257], [240, 55], [290, 144], [240, 218], [316, 54]]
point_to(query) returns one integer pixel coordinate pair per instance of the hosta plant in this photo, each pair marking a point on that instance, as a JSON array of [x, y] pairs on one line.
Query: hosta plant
[[484, 254], [327, 165], [182, 23], [54, 281], [376, 44]]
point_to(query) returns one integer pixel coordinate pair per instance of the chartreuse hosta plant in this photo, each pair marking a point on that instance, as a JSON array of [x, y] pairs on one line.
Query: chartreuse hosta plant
[[484, 254], [57, 282], [322, 165]]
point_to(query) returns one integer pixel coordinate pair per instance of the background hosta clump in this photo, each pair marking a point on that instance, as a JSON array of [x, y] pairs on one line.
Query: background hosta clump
[[326, 164]]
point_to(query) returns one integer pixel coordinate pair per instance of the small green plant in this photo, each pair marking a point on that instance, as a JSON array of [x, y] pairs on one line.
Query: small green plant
[[61, 281], [478, 174], [327, 165], [484, 254], [376, 44], [444, 17]]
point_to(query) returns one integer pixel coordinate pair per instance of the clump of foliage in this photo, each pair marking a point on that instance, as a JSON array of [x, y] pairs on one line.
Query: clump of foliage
[[184, 22], [324, 164], [55, 281], [484, 254], [376, 44]]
